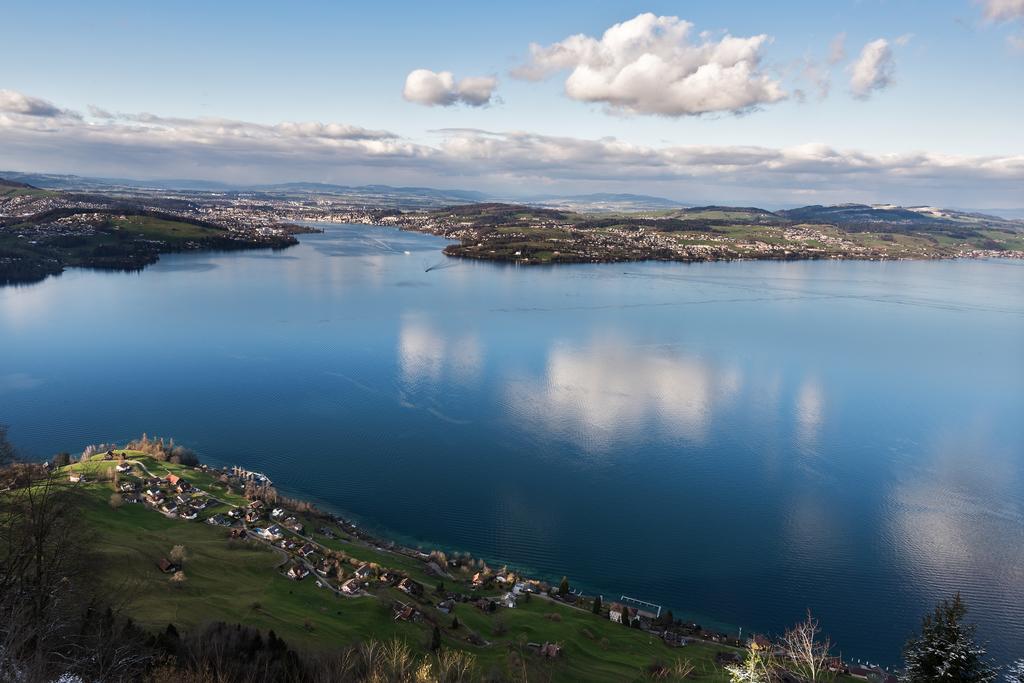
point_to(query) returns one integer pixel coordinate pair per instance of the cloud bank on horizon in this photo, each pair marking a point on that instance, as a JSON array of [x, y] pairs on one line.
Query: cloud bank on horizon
[[42, 133]]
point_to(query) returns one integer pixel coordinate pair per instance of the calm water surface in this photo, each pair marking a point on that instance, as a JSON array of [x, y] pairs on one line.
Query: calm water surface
[[736, 441]]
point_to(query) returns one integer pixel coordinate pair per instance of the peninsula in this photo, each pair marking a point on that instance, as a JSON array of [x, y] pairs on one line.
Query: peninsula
[[43, 231]]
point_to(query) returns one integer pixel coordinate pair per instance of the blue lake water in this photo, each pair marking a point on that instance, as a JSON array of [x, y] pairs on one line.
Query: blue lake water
[[737, 441]]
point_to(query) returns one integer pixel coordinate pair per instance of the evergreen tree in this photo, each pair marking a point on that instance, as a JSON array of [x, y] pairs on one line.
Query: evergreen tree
[[435, 639], [563, 587], [945, 649], [455, 623], [597, 605]]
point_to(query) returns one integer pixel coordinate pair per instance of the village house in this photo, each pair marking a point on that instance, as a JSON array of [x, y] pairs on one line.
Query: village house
[[364, 572], [218, 520], [123, 467], [269, 534], [293, 524], [76, 478], [410, 587], [252, 516], [170, 508], [621, 614], [187, 513], [178, 483], [351, 587], [297, 572], [405, 612], [277, 513], [307, 550], [509, 600]]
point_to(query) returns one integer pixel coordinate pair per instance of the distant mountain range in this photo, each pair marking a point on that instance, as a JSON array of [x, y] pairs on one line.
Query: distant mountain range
[[598, 202]]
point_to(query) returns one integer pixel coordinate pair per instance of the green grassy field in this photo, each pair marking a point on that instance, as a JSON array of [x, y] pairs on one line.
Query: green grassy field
[[7, 191], [158, 228]]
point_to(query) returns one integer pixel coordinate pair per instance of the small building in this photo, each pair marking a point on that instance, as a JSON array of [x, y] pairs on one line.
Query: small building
[[351, 587], [179, 483], [297, 572], [166, 566], [123, 467], [622, 614], [364, 572], [307, 550], [277, 513], [410, 587], [509, 600], [76, 478]]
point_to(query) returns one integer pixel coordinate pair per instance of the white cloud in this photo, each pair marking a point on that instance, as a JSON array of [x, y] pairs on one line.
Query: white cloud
[[432, 88], [873, 69], [150, 146], [1003, 10], [652, 65], [13, 102], [837, 49]]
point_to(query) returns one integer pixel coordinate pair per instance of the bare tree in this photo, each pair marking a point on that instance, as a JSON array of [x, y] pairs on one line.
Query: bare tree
[[808, 652], [178, 555], [757, 667]]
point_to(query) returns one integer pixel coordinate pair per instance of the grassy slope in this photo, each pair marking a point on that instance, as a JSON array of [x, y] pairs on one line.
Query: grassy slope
[[239, 582]]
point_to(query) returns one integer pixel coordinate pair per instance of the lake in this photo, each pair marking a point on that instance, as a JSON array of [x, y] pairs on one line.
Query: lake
[[736, 441]]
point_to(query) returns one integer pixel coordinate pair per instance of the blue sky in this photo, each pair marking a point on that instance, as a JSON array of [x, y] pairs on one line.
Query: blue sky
[[956, 89]]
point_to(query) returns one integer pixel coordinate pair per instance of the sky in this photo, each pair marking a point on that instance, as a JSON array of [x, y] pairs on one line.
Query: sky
[[879, 101]]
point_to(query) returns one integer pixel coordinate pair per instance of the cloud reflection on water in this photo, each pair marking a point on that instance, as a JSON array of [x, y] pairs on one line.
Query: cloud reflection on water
[[426, 354], [609, 390]]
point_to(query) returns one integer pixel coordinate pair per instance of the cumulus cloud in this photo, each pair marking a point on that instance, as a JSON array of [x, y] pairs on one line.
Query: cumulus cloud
[[13, 102], [1003, 10], [873, 69], [151, 146], [433, 88], [655, 65]]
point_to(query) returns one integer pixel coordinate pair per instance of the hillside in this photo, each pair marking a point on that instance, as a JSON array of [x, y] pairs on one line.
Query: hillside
[[244, 581], [42, 232]]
